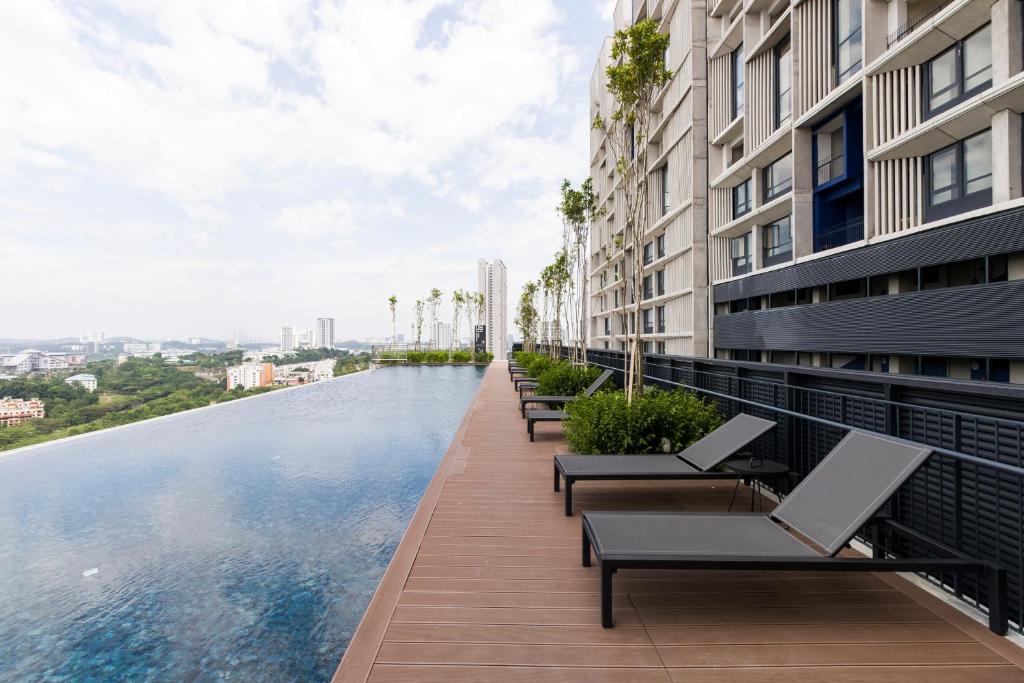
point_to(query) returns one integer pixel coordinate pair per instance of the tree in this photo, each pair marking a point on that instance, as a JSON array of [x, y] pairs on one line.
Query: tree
[[635, 76], [393, 305], [458, 301], [434, 301], [419, 321], [579, 211], [526, 315]]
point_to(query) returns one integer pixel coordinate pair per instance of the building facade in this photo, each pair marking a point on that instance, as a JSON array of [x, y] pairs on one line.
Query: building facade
[[492, 280], [86, 381], [324, 333], [865, 194], [250, 375], [674, 309], [31, 360], [288, 338], [14, 411], [441, 335], [863, 185]]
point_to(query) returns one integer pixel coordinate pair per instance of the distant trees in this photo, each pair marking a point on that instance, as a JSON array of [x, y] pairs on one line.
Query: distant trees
[[393, 305], [419, 321], [458, 303], [579, 210], [526, 315], [434, 302]]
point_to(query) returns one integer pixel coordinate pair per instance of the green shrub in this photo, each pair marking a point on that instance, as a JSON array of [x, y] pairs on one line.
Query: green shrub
[[657, 422], [562, 379], [538, 364]]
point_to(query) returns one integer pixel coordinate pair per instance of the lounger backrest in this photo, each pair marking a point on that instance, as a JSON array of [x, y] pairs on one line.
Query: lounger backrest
[[722, 443], [602, 378], [848, 486]]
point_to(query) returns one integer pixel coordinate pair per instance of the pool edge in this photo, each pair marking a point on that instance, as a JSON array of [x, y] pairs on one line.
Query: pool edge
[[362, 650]]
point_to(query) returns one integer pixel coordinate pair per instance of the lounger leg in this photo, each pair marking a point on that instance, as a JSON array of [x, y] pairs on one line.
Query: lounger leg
[[529, 427], [586, 549], [996, 600], [568, 496], [557, 481], [734, 490], [606, 595]]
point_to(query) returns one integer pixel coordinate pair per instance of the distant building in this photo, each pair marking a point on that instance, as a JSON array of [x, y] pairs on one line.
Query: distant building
[[141, 347], [303, 373], [324, 333], [493, 280], [31, 360], [4, 378], [86, 380], [288, 338], [249, 375], [551, 332], [305, 339], [441, 335], [14, 411]]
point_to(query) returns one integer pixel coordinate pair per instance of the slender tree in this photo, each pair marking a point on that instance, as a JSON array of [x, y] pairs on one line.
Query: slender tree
[[526, 315], [419, 322], [579, 211], [635, 76], [393, 305], [458, 301], [434, 301]]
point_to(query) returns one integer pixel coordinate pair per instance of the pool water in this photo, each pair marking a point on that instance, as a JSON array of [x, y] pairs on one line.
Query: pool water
[[241, 543]]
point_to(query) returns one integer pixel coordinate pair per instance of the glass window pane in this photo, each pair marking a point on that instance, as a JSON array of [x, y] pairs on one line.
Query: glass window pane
[[978, 59], [943, 176], [943, 87], [978, 163]]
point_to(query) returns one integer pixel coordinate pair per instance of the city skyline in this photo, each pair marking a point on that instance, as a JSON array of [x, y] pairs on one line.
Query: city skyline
[[188, 200]]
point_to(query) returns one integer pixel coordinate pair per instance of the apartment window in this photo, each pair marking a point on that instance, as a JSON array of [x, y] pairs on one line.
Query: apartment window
[[649, 321], [959, 177], [632, 141], [735, 153], [778, 242], [778, 178], [607, 326], [740, 247], [958, 73], [664, 190], [830, 151], [741, 200], [659, 282], [648, 287], [660, 317], [848, 38], [737, 81], [648, 253], [661, 245], [660, 348], [783, 83]]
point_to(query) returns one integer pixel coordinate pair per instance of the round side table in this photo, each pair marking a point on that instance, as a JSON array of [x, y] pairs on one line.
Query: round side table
[[756, 470]]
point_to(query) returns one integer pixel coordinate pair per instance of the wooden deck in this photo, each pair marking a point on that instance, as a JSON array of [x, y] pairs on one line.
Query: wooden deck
[[487, 586]]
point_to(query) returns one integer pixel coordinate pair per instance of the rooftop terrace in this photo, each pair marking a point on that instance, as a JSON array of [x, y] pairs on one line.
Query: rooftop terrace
[[487, 585]]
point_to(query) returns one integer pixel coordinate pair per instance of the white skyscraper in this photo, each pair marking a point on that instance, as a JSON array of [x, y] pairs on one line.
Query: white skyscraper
[[287, 338], [492, 279], [324, 333]]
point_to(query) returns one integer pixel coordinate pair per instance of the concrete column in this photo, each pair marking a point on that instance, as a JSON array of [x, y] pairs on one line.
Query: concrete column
[[803, 194], [757, 247], [1006, 156], [1006, 40], [877, 14]]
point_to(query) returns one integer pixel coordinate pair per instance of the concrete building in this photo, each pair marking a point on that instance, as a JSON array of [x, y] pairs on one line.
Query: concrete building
[[441, 335], [288, 338], [31, 360], [865, 185], [87, 381], [675, 300], [324, 338], [492, 279], [14, 411], [249, 375]]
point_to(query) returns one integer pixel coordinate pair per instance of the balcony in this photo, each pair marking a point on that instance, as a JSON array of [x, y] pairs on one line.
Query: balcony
[[830, 169], [839, 235]]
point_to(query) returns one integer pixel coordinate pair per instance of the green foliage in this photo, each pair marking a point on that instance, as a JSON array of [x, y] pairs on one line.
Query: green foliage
[[657, 421], [563, 379], [526, 314], [438, 357], [637, 69]]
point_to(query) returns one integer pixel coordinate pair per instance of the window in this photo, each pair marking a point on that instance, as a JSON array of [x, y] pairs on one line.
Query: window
[[607, 326], [830, 151], [664, 190], [778, 178], [648, 253], [783, 83], [649, 321], [740, 247], [660, 316], [959, 177], [737, 82], [741, 201], [847, 25], [632, 142], [778, 242], [735, 153], [659, 282], [661, 245], [660, 348], [958, 73], [648, 288]]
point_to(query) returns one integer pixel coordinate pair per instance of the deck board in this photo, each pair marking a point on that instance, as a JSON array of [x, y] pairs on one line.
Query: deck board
[[487, 586]]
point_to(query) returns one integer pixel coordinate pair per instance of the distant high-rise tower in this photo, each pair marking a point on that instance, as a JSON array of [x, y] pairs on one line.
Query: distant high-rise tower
[[324, 333], [492, 279], [287, 338]]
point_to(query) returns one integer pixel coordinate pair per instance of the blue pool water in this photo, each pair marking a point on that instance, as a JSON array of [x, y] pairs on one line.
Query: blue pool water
[[240, 543]]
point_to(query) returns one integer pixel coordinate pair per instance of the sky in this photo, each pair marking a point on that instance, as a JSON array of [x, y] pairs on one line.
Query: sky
[[181, 168]]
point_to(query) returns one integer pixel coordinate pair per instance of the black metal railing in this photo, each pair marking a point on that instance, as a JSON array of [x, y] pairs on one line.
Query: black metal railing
[[838, 235], [830, 168], [969, 495], [908, 28]]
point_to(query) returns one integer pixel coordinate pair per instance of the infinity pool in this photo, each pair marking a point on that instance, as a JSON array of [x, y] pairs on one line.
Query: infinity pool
[[242, 542]]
